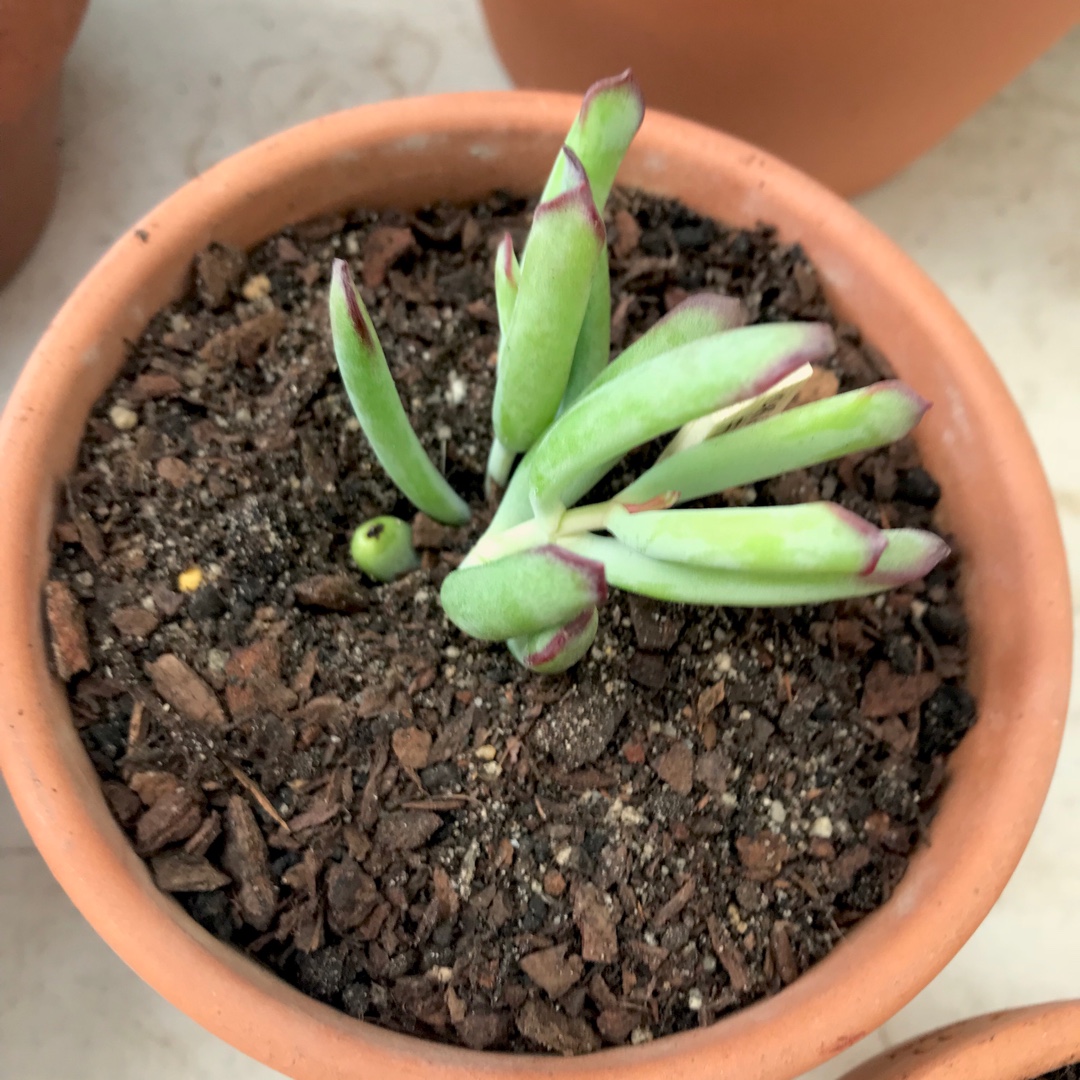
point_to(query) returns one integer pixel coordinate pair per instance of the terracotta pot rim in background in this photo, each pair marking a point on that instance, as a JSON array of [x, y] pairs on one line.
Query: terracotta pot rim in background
[[1018, 1044], [849, 91], [460, 147], [35, 36]]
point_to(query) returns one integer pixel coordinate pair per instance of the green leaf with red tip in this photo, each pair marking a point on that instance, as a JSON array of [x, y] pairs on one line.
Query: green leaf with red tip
[[537, 351], [522, 594], [659, 396], [812, 538], [375, 401], [552, 651], [807, 435], [627, 569], [610, 115], [910, 554], [698, 316], [507, 279]]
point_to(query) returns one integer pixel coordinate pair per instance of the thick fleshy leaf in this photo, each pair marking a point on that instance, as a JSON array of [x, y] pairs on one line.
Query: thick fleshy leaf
[[537, 351], [375, 401], [909, 554], [552, 651], [593, 348], [610, 115], [522, 594], [698, 316], [630, 570], [808, 435], [383, 549], [507, 275], [820, 538], [659, 396]]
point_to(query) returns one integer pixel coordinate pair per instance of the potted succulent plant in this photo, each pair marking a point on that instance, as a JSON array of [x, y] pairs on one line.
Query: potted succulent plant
[[1039, 1042], [34, 39], [849, 92], [238, 704]]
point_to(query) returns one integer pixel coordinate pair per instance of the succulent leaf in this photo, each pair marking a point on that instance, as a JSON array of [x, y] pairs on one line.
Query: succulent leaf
[[808, 435], [552, 651], [593, 348], [375, 401], [817, 538], [659, 396], [610, 115], [679, 583], [698, 316], [522, 594], [537, 351]]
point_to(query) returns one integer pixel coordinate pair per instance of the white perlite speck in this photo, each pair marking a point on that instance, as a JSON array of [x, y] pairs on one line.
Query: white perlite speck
[[822, 828], [123, 418]]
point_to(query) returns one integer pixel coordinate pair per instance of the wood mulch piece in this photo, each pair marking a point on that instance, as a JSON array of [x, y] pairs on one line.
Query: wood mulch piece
[[401, 821]]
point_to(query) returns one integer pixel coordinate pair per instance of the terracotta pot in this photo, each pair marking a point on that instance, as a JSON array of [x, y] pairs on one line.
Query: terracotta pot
[[1020, 1044], [407, 153], [35, 36], [849, 90]]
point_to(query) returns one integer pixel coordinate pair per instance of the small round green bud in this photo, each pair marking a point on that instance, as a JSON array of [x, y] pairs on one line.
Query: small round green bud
[[382, 548]]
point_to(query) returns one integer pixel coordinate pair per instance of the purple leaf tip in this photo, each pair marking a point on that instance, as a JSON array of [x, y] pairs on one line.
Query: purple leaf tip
[[625, 81], [506, 251], [590, 569], [343, 275], [919, 405], [559, 640]]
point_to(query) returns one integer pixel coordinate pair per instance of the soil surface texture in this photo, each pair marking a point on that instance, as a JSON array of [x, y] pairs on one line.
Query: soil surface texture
[[401, 821]]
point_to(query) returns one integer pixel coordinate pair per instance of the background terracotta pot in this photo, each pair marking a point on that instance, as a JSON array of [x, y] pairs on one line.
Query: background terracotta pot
[[849, 90], [1020, 1044], [35, 36], [460, 147]]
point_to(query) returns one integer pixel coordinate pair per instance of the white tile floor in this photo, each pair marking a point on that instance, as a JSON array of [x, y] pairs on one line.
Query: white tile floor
[[159, 91]]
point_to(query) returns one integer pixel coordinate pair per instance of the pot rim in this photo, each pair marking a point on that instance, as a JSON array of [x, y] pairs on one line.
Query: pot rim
[[1014, 1044], [869, 976]]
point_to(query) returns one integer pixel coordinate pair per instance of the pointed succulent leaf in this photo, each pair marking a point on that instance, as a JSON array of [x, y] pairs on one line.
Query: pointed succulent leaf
[[698, 316], [507, 273], [522, 594], [375, 401], [610, 115], [383, 549], [659, 396], [820, 538], [679, 583], [552, 651], [538, 349], [910, 554], [808, 435], [593, 348]]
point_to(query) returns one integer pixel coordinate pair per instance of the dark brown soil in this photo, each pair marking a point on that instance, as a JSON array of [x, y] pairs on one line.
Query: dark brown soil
[[401, 821], [1066, 1072]]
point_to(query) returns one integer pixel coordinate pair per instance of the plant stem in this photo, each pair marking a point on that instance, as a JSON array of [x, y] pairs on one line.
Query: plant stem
[[532, 533]]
